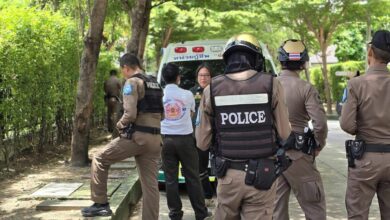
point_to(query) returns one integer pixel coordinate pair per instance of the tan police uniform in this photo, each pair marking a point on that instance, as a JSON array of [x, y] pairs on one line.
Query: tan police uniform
[[235, 199], [112, 88], [366, 114], [302, 177], [145, 147]]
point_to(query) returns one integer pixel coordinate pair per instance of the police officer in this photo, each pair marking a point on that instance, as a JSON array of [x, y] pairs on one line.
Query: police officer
[[139, 137], [366, 115], [112, 89], [303, 103], [240, 111], [203, 78]]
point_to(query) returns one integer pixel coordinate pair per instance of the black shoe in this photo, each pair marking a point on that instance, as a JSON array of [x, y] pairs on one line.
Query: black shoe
[[207, 217], [97, 210]]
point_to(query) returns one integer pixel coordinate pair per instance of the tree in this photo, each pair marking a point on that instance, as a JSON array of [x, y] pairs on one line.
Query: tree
[[180, 21], [81, 125], [139, 15], [350, 42], [320, 18]]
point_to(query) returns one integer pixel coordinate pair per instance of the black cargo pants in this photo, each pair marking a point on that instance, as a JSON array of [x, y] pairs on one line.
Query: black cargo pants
[[181, 148]]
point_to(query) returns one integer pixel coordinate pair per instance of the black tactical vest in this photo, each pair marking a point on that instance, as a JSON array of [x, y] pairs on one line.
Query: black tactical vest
[[152, 101], [243, 116]]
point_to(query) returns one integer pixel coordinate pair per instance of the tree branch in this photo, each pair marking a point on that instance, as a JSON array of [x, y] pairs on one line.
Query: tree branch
[[160, 3]]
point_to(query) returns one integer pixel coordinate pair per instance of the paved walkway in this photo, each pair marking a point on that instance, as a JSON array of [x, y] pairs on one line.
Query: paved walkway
[[333, 167]]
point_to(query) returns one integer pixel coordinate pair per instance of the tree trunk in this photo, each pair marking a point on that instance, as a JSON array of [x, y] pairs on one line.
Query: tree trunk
[[89, 59], [165, 41], [307, 74], [324, 69], [145, 31], [139, 22], [368, 35]]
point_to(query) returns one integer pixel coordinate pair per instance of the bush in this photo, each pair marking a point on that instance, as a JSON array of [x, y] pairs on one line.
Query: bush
[[337, 83], [39, 61]]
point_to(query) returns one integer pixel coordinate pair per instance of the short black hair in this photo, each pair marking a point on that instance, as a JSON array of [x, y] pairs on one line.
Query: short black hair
[[113, 72], [293, 65], [170, 72], [381, 55], [130, 60], [201, 66]]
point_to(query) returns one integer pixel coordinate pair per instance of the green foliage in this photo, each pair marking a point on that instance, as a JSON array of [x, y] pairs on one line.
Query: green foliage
[[350, 43], [338, 83], [200, 20], [39, 60]]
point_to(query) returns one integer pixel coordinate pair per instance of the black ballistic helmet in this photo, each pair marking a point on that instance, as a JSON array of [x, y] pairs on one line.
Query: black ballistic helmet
[[246, 43], [293, 50]]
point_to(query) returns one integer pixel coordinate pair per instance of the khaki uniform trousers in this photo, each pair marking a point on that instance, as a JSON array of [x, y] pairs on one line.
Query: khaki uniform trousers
[[236, 200], [371, 175], [306, 183], [146, 150], [113, 115]]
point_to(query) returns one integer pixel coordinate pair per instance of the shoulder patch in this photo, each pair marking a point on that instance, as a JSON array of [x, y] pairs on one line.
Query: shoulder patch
[[127, 90]]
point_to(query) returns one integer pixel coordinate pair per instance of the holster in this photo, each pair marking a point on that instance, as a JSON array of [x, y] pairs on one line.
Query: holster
[[129, 131], [354, 151], [301, 142], [282, 162], [221, 167]]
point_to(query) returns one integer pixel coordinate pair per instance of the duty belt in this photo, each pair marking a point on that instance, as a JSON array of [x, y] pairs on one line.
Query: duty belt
[[378, 148], [239, 166], [149, 130]]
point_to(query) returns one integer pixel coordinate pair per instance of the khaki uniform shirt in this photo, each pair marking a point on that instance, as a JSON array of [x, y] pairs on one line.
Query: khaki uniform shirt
[[303, 105], [203, 131], [136, 91], [366, 113], [112, 86]]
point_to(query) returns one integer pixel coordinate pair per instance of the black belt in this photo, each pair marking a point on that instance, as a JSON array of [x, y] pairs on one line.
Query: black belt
[[176, 135], [378, 148], [238, 165], [149, 130]]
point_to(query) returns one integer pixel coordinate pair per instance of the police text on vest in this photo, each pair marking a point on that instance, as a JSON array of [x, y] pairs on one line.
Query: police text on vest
[[240, 118]]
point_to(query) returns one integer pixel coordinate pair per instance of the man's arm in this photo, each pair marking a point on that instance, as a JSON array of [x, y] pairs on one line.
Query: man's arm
[[203, 130], [280, 111], [349, 111], [317, 114], [130, 99]]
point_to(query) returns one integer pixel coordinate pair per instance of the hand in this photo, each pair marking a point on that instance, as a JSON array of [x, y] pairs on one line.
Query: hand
[[119, 126]]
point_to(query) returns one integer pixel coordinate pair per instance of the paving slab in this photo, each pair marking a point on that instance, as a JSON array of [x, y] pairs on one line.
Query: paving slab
[[84, 192], [110, 176], [50, 205], [130, 159], [120, 166], [56, 190]]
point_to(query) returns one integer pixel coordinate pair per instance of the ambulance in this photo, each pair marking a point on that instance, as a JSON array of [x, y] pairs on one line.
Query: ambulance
[[188, 56]]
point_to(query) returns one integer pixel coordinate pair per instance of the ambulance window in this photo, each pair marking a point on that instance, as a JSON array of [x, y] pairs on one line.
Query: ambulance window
[[188, 68]]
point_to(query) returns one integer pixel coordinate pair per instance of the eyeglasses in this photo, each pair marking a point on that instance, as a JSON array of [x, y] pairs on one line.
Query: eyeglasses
[[204, 75]]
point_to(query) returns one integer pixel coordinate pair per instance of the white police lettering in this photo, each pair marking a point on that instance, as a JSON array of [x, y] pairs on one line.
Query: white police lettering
[[224, 117], [152, 85], [243, 118]]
